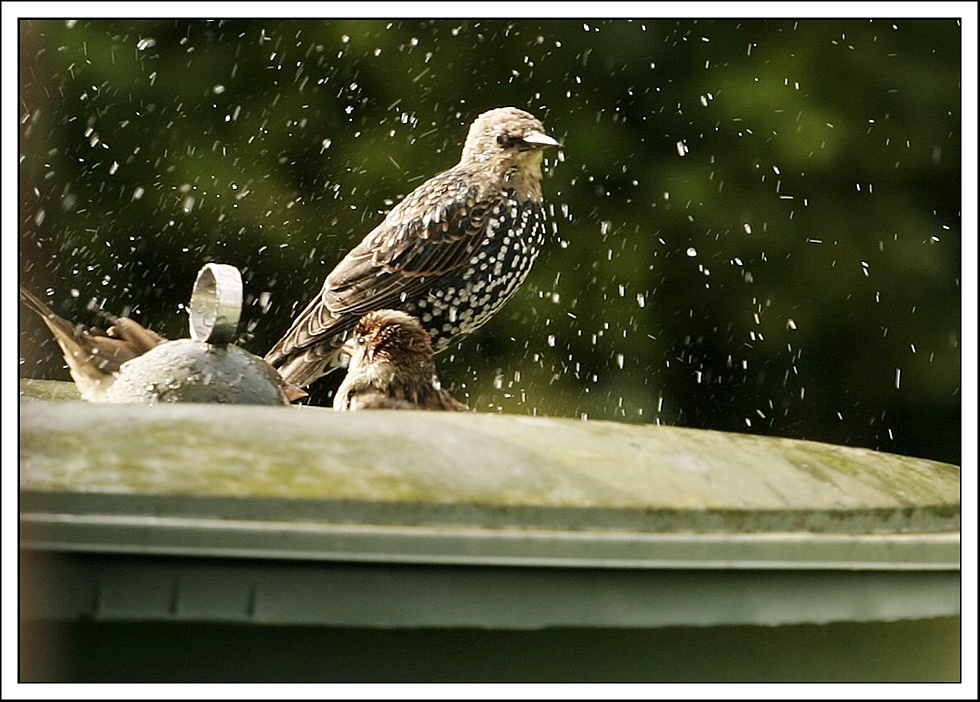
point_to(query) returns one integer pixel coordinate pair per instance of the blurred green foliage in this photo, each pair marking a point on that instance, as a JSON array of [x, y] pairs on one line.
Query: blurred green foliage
[[757, 222]]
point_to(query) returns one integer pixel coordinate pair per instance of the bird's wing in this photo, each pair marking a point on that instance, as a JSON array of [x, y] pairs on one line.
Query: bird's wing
[[139, 338], [107, 349], [414, 246], [94, 355], [436, 229]]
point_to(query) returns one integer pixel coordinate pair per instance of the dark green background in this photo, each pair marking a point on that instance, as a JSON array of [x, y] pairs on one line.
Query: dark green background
[[795, 273]]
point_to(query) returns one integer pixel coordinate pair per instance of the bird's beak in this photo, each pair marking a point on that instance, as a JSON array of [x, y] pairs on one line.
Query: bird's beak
[[539, 140], [294, 392]]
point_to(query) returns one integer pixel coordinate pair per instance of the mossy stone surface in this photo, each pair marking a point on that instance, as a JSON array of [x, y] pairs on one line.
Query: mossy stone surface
[[477, 469]]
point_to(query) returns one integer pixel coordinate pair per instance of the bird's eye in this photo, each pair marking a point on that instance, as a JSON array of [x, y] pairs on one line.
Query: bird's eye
[[361, 340], [503, 139]]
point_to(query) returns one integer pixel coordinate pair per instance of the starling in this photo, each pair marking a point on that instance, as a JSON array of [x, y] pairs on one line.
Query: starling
[[391, 367], [451, 253], [94, 355]]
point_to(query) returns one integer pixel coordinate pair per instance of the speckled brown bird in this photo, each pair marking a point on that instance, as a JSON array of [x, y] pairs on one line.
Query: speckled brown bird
[[391, 367], [451, 253], [94, 355]]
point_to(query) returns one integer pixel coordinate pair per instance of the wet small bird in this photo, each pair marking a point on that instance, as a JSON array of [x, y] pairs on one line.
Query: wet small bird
[[391, 367], [451, 253], [94, 355]]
